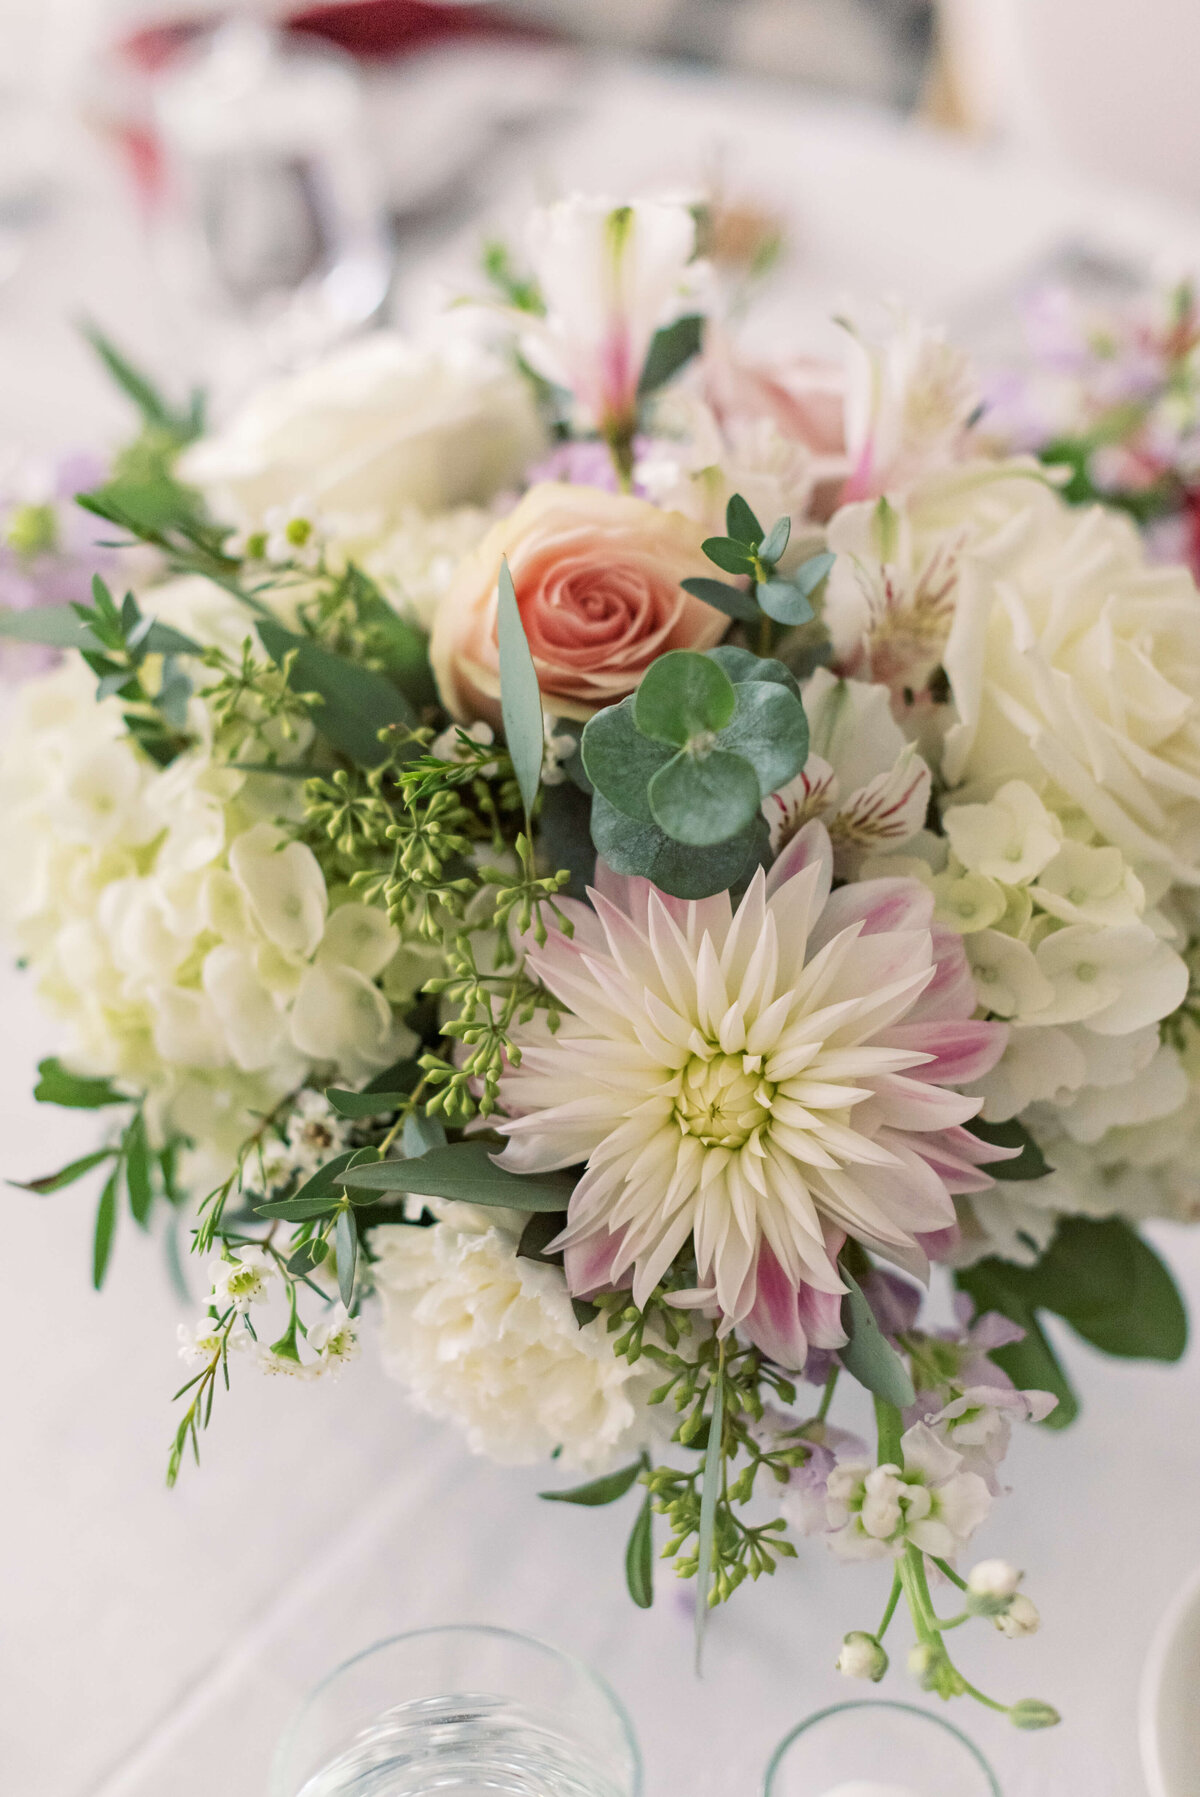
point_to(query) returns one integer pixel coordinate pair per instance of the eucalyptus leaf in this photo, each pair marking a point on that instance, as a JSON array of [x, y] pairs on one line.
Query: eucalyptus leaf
[[620, 762], [316, 1197], [742, 666], [705, 799], [775, 541], [688, 873], [683, 695], [345, 1239], [164, 639], [605, 1490], [137, 1171], [810, 574], [55, 626], [66, 1176], [709, 1489], [467, 1171], [639, 1557], [727, 553], [1031, 1364], [783, 601], [106, 1227], [735, 602], [358, 703], [769, 731], [671, 348], [741, 524], [520, 699], [421, 1133], [537, 1235], [363, 1104], [867, 1356], [308, 1256]]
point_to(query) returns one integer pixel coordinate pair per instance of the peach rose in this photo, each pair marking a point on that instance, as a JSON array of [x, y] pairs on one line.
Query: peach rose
[[597, 578]]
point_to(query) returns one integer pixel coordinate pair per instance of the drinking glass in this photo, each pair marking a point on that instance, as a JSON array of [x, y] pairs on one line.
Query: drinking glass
[[477, 1712], [877, 1749]]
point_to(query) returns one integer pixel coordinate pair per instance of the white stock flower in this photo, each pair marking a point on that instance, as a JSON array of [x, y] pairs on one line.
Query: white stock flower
[[1021, 1618], [610, 275], [489, 1339], [908, 401], [380, 427], [929, 1501], [993, 1578], [867, 784]]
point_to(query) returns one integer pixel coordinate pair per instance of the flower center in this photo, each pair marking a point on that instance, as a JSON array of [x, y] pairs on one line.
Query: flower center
[[723, 1100]]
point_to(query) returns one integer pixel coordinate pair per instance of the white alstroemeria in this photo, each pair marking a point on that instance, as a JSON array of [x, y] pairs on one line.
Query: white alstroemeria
[[909, 399], [1008, 979], [1010, 839], [1085, 884], [334, 1340], [867, 784], [242, 1280], [610, 276], [929, 1501]]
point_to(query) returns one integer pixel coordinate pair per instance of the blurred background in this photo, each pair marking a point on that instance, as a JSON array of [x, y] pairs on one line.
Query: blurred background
[[230, 190]]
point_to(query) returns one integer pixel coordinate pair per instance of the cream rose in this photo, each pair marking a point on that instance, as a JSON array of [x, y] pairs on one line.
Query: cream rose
[[382, 426], [597, 579]]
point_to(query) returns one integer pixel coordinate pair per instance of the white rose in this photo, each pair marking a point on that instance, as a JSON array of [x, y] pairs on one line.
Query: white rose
[[381, 426]]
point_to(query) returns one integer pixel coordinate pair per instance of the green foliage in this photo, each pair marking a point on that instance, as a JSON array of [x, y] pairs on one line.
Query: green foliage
[[605, 1490], [520, 291], [76, 1091], [671, 349], [181, 426], [868, 1356], [357, 706], [754, 554], [346, 1249], [66, 1176], [520, 700], [639, 1556], [689, 758], [711, 1482], [465, 1170], [106, 1227]]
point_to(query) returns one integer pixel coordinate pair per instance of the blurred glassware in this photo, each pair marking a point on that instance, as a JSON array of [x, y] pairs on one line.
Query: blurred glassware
[[461, 1709], [872, 1748], [1169, 1715], [268, 208]]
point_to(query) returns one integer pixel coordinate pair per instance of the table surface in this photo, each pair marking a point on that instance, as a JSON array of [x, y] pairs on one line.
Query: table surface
[[155, 1642]]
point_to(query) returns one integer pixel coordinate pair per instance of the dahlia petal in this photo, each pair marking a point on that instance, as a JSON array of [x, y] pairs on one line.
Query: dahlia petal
[[589, 1264], [877, 906], [809, 848], [959, 1051], [784, 1318]]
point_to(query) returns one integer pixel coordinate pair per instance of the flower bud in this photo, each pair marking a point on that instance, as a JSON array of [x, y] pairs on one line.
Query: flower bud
[[1031, 1712], [862, 1656], [993, 1578], [922, 1663], [1020, 1618]]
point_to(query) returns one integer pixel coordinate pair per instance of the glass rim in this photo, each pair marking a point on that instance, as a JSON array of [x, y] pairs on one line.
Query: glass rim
[[497, 1633], [875, 1703]]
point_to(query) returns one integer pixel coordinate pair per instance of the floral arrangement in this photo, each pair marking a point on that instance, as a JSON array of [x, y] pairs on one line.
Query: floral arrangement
[[615, 859]]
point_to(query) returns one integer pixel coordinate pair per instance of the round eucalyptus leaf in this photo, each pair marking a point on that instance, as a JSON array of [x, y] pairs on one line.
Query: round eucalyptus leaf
[[683, 695], [775, 542], [701, 800], [742, 665], [784, 602], [733, 601], [727, 553], [686, 873], [769, 731], [619, 761]]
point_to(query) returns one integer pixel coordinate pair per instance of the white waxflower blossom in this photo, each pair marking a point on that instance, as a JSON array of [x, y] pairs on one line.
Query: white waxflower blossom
[[334, 1340], [1021, 1618], [200, 1342], [862, 779], [381, 428], [315, 1132], [242, 1280], [489, 1339], [929, 1502]]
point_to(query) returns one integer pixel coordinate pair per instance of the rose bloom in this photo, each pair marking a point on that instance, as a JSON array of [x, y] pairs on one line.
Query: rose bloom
[[597, 577]]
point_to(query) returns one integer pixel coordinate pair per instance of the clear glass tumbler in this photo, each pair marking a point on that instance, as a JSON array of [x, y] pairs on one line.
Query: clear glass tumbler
[[877, 1749], [476, 1712]]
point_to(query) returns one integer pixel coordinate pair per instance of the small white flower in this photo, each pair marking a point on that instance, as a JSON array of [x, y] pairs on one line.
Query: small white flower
[[334, 1340], [243, 1280], [200, 1342], [560, 746], [930, 1502], [1011, 839], [315, 1133], [1020, 1618], [993, 1578], [447, 746]]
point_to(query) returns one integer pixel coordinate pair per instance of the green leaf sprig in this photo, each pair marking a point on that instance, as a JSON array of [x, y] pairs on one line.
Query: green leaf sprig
[[754, 553]]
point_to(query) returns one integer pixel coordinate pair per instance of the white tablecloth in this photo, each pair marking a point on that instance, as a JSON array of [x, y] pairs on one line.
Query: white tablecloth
[[154, 1642]]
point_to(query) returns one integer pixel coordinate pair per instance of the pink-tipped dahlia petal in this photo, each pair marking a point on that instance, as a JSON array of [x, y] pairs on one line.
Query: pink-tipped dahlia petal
[[787, 1319]]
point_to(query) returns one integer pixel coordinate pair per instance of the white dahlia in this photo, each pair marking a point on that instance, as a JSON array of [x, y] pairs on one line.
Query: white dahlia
[[488, 1338], [750, 1086]]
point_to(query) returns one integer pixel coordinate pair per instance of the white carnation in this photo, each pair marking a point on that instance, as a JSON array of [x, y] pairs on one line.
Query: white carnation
[[489, 1339]]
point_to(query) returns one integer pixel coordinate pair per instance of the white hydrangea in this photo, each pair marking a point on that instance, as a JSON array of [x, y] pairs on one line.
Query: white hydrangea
[[489, 1339], [415, 560], [173, 920]]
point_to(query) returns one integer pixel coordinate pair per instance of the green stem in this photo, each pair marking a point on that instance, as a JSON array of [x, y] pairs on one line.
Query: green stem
[[971, 1690], [893, 1600], [948, 1571], [827, 1394], [889, 1426]]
